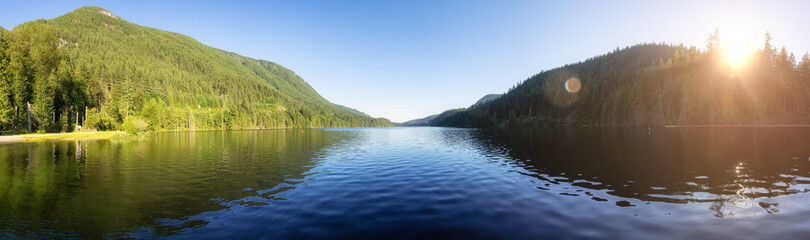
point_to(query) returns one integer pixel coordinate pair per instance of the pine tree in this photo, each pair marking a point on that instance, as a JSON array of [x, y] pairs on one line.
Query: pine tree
[[713, 42], [6, 104]]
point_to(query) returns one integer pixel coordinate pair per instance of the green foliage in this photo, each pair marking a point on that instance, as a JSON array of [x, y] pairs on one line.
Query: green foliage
[[155, 113], [89, 58], [100, 120], [6, 100], [135, 124]]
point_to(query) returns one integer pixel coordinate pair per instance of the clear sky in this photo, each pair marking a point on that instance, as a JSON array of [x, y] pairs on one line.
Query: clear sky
[[409, 59]]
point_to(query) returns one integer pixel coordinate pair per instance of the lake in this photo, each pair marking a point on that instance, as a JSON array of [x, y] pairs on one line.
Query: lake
[[413, 183]]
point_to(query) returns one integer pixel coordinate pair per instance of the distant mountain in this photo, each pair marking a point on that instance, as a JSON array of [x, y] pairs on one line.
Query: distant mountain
[[487, 98], [444, 115], [92, 59], [421, 121], [433, 120]]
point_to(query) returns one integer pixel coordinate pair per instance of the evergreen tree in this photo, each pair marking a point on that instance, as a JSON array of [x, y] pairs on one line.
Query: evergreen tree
[[89, 65], [632, 86], [6, 100]]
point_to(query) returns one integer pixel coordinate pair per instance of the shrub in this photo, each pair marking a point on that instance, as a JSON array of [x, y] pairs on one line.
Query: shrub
[[154, 113], [100, 121], [133, 124]]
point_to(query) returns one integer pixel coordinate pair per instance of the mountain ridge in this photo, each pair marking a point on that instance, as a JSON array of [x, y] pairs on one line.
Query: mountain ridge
[[434, 120], [486, 98], [657, 85], [121, 69]]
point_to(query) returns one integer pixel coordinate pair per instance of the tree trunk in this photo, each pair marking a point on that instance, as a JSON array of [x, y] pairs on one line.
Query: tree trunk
[[14, 123], [28, 111]]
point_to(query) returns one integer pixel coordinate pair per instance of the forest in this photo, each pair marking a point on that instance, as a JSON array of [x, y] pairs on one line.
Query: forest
[[91, 68], [657, 85]]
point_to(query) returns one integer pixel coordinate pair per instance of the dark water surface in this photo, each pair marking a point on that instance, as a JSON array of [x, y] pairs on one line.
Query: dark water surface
[[405, 183]]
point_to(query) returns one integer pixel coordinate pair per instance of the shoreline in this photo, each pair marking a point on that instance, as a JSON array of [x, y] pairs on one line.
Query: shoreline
[[95, 135], [100, 135]]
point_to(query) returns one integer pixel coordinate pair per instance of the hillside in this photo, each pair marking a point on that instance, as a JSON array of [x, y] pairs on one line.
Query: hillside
[[121, 75], [486, 98], [656, 85], [433, 120], [425, 121]]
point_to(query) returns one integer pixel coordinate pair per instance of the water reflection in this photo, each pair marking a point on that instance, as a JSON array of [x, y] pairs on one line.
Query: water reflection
[[96, 189], [411, 183], [727, 166]]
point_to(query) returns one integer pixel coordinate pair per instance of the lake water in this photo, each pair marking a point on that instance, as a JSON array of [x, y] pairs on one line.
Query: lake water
[[406, 183]]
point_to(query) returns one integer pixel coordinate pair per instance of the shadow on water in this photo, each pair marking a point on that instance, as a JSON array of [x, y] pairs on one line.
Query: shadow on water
[[673, 165], [98, 189]]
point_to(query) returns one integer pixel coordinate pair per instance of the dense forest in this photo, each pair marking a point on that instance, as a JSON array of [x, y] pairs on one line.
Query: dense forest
[[656, 85], [434, 120], [91, 68]]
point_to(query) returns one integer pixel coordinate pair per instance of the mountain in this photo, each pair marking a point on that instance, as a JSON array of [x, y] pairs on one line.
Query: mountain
[[433, 120], [656, 85], [487, 98], [92, 65], [421, 121]]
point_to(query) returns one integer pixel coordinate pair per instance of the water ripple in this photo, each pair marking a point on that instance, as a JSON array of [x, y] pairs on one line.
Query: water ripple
[[406, 183]]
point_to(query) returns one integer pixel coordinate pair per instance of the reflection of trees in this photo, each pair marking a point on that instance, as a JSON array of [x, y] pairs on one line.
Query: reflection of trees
[[723, 165], [95, 188], [717, 208]]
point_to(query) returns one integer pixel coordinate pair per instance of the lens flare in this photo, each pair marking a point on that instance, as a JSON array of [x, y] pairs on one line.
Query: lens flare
[[572, 85], [736, 53], [736, 46]]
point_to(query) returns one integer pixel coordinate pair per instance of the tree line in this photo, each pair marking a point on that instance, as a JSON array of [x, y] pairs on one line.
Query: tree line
[[92, 69], [656, 85]]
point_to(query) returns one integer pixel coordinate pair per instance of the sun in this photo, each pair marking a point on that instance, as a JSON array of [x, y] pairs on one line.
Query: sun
[[735, 53], [736, 50]]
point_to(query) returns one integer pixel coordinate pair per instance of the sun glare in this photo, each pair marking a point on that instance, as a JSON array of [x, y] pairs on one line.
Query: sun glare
[[736, 49], [736, 53]]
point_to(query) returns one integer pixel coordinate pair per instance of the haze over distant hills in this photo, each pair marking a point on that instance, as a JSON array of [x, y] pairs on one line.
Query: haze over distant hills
[[93, 68]]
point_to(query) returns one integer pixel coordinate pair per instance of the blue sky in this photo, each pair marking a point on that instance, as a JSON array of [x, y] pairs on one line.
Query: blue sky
[[409, 59]]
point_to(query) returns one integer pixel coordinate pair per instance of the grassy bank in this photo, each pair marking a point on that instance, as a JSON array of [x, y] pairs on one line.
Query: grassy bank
[[63, 136]]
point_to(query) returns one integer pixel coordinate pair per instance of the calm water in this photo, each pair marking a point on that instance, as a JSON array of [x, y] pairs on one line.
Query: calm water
[[413, 183]]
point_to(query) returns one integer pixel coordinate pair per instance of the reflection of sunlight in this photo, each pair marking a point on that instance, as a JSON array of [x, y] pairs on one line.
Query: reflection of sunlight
[[741, 178]]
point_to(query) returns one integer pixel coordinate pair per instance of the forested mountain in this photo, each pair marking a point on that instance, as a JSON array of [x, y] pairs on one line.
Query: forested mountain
[[425, 121], [92, 65], [433, 120], [486, 98], [654, 85]]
